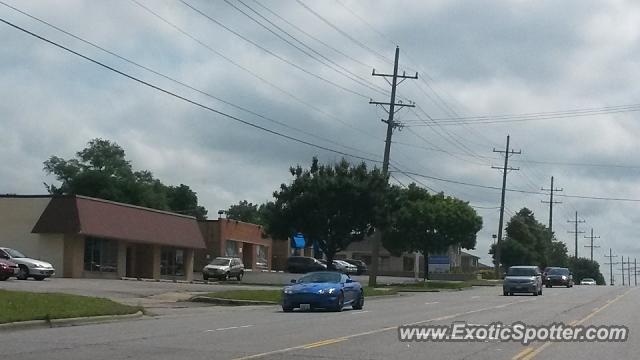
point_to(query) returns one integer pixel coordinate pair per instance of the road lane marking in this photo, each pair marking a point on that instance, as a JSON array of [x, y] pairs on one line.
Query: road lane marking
[[431, 303], [522, 353], [475, 297], [231, 328], [359, 312], [371, 332], [324, 342], [577, 322]]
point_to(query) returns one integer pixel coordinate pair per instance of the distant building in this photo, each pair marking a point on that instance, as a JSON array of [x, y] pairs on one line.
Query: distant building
[[228, 237], [95, 238]]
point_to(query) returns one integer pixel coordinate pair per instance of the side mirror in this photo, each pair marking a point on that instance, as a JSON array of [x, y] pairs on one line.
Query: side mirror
[[349, 280], [293, 281]]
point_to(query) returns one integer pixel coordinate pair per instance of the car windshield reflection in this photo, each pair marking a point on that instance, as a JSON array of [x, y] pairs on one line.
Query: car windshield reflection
[[320, 278]]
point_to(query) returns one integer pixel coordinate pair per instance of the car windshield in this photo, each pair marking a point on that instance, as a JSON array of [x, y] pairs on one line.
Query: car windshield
[[15, 253], [521, 272], [220, 262], [321, 278], [559, 272], [588, 279]]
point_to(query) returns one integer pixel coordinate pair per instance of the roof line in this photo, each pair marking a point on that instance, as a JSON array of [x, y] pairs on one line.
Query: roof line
[[25, 196], [132, 206]]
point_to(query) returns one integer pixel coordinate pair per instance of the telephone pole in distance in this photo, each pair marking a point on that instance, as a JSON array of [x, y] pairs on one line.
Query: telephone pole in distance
[[576, 222], [611, 256], [505, 169], [591, 244], [551, 202], [391, 125]]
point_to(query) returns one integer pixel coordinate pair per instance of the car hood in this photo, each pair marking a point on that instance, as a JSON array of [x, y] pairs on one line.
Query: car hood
[[219, 267], [33, 262], [313, 287], [519, 278]]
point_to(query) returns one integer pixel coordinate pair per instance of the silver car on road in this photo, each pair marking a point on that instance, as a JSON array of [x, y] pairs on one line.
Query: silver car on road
[[522, 279]]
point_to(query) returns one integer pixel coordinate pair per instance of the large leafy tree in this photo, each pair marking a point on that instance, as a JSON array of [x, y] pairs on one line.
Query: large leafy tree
[[430, 223], [529, 242], [101, 170], [332, 204], [247, 212], [585, 268]]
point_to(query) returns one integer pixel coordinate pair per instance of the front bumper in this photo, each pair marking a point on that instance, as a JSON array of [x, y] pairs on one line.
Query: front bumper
[[314, 300], [559, 281], [46, 272], [520, 288]]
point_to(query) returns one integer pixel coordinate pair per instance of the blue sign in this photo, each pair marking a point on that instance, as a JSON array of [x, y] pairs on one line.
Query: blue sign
[[439, 260], [297, 241]]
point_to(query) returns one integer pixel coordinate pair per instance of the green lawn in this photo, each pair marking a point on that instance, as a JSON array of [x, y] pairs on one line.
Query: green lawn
[[23, 306], [432, 285]]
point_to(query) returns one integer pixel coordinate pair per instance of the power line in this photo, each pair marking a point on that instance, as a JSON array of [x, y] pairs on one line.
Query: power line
[[342, 70], [206, 46], [183, 98], [200, 91]]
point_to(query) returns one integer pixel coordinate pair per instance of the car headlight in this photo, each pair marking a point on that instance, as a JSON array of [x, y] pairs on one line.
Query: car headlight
[[288, 291], [564, 277], [327, 291]]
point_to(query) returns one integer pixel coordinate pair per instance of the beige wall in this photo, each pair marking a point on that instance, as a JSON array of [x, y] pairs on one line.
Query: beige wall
[[18, 216]]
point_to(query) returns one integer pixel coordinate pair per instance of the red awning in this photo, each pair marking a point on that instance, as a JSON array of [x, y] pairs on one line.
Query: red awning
[[101, 218]]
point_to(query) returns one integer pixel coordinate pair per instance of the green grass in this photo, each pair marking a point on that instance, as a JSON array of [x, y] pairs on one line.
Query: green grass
[[23, 306], [276, 295], [431, 285]]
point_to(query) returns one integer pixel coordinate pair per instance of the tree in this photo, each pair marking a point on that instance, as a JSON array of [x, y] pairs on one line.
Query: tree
[[333, 204], [585, 268], [101, 170], [430, 224], [247, 212], [557, 254], [529, 242]]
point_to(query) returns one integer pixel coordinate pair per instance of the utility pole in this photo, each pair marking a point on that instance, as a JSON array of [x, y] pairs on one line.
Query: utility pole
[[635, 272], [505, 169], [576, 222], [591, 245], [551, 202], [611, 256], [391, 125], [629, 269], [622, 262]]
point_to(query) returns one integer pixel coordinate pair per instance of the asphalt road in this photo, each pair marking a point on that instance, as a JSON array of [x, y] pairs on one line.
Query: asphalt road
[[267, 333]]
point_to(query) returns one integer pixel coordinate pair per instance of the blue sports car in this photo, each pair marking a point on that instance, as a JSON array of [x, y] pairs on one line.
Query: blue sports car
[[323, 289]]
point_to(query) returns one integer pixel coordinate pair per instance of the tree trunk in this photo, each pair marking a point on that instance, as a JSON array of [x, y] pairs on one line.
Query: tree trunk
[[425, 254]]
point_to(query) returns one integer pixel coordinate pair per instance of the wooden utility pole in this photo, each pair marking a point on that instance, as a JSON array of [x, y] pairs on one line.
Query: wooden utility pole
[[376, 239], [591, 244], [576, 222], [551, 202]]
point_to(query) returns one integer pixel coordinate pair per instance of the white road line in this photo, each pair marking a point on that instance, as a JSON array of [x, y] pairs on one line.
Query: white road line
[[475, 297], [231, 327], [431, 303], [359, 312]]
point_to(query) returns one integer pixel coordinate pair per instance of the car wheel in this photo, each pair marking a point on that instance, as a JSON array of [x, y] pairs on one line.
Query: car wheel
[[505, 293], [225, 277], [23, 274], [38, 278], [540, 292], [287, 309], [3, 278], [359, 304], [535, 293], [205, 277], [340, 302], [240, 275]]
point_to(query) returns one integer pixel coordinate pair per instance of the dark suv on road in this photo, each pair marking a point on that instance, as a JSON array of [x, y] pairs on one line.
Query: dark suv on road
[[304, 264], [558, 276]]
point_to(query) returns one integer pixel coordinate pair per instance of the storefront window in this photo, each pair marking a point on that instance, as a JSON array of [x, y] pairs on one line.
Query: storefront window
[[100, 255], [231, 248], [172, 262], [262, 256]]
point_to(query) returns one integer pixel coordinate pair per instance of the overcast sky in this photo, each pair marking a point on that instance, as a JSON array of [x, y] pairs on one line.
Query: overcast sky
[[474, 58]]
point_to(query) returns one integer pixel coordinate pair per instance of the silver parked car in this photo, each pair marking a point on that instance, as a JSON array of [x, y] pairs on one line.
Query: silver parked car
[[223, 268], [28, 267], [522, 279]]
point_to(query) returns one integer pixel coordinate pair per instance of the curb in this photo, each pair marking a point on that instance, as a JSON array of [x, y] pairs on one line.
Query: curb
[[32, 324], [231, 302]]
